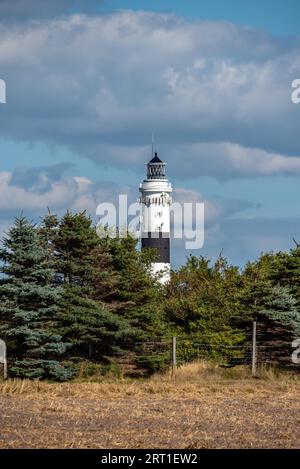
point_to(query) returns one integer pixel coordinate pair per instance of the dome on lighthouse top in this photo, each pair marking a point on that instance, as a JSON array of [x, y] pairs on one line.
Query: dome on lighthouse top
[[155, 159], [156, 168]]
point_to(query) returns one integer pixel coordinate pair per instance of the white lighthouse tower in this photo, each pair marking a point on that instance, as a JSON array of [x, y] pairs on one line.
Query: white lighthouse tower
[[155, 219]]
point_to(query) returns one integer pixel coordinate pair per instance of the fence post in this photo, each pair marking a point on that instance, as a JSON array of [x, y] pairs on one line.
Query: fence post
[[254, 353], [3, 357], [5, 369], [174, 358]]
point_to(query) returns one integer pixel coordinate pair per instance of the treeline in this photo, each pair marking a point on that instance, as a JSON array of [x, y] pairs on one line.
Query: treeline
[[69, 297]]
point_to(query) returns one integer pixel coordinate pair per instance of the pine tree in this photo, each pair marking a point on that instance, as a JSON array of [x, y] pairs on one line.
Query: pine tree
[[28, 311], [139, 292], [84, 270], [74, 241], [94, 331], [138, 298]]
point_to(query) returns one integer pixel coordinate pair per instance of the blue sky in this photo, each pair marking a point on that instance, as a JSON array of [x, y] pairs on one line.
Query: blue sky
[[86, 85], [275, 16]]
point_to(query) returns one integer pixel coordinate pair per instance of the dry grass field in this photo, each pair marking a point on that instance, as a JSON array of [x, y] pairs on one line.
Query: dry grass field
[[203, 407]]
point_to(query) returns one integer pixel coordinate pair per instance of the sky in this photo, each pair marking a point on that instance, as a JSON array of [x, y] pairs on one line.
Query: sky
[[88, 81]]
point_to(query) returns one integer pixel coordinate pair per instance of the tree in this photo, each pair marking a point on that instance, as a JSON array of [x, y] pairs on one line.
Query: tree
[[28, 310], [271, 286], [94, 331], [202, 303], [138, 298], [273, 305], [137, 293], [74, 239], [286, 271], [84, 271], [281, 307]]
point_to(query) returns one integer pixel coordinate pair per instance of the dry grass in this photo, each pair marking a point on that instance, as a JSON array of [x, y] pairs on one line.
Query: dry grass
[[205, 406]]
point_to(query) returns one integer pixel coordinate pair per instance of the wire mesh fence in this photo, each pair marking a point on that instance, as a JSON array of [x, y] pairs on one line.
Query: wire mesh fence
[[261, 346], [254, 352]]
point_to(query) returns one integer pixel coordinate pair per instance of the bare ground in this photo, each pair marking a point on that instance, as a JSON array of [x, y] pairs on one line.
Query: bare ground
[[158, 413]]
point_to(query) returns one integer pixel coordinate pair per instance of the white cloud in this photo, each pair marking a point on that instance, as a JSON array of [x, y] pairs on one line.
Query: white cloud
[[216, 208], [16, 198], [227, 160], [225, 223], [100, 85], [42, 187]]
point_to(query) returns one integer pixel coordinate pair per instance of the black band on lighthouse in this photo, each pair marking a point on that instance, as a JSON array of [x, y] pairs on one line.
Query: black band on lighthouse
[[161, 243]]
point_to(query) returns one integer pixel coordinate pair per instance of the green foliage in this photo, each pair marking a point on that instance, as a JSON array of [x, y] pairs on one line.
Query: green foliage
[[271, 289], [138, 298], [88, 370], [286, 271], [281, 307], [91, 329], [29, 302], [43, 369], [203, 303], [84, 269], [76, 304]]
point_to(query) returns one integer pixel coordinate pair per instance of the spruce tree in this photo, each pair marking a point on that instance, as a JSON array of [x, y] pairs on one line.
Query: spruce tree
[[84, 270], [271, 287], [28, 310], [273, 306], [286, 271], [281, 307]]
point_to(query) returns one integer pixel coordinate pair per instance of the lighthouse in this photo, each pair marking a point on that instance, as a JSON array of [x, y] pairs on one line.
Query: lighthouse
[[155, 216]]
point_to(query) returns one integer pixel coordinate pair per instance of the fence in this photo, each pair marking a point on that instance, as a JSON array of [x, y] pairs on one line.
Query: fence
[[261, 346], [3, 360], [258, 349]]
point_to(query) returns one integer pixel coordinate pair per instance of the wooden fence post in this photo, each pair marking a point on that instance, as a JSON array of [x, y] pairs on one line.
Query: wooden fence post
[[254, 352], [174, 358], [5, 369], [3, 357]]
